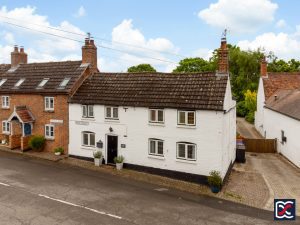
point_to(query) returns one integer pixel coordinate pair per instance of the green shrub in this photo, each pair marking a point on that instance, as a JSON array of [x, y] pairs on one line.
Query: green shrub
[[214, 179], [241, 109], [97, 154], [119, 159], [59, 149], [250, 117], [37, 142]]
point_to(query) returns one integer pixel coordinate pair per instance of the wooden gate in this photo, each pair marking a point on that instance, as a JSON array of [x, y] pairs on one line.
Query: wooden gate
[[261, 145]]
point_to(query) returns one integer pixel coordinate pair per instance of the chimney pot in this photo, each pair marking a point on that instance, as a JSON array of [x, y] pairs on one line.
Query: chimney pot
[[16, 49], [223, 66]]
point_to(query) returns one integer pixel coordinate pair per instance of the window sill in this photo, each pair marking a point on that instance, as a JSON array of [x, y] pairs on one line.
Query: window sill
[[49, 138], [107, 120], [5, 107], [156, 124], [88, 147], [88, 118], [187, 126], [186, 161], [156, 157], [6, 133]]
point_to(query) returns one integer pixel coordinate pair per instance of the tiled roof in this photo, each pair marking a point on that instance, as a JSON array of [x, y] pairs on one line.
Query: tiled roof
[[286, 102], [4, 68], [193, 91], [34, 73], [279, 80], [24, 114]]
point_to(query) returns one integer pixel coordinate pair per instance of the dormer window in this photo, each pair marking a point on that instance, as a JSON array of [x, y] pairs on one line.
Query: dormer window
[[2, 81], [43, 82], [64, 83], [18, 84]]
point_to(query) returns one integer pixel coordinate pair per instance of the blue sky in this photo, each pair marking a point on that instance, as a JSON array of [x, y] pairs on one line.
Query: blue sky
[[185, 28]]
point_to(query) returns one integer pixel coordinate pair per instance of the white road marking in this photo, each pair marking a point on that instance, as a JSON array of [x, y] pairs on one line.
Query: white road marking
[[80, 206], [3, 184]]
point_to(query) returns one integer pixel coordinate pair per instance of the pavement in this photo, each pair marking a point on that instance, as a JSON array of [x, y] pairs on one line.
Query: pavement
[[246, 129], [43, 192]]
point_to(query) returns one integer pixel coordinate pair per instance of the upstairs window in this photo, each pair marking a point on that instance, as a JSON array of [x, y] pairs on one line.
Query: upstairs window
[[5, 127], [112, 113], [156, 147], [5, 102], [49, 103], [64, 83], [186, 151], [156, 115], [2, 81], [49, 131], [18, 84], [88, 111], [43, 82], [187, 118]]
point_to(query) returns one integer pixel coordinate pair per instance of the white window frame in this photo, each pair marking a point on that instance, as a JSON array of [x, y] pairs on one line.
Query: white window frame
[[156, 116], [5, 127], [50, 129], [49, 107], [88, 111], [186, 144], [156, 146], [5, 102], [186, 112], [112, 108], [89, 133]]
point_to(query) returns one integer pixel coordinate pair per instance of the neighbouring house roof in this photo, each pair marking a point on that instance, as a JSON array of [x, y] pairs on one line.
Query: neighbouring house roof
[[280, 80], [34, 73], [165, 90], [23, 114], [286, 102]]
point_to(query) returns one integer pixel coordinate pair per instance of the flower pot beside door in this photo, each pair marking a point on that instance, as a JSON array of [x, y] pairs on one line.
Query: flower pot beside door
[[98, 158], [119, 160], [215, 181]]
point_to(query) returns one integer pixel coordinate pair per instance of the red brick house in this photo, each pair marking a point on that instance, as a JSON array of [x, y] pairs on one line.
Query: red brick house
[[34, 97]]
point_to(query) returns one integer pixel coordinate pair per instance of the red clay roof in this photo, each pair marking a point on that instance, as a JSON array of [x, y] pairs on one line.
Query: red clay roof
[[277, 81], [286, 102]]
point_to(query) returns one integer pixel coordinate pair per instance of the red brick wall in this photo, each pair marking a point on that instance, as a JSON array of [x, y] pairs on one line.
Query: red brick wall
[[36, 105]]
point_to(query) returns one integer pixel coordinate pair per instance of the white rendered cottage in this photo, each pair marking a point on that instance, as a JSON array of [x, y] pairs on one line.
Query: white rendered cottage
[[178, 125]]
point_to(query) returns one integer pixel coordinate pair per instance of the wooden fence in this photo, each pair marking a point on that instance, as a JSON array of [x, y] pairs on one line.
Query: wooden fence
[[261, 145]]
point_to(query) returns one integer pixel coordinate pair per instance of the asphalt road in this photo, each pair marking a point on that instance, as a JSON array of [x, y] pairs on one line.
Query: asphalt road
[[41, 192]]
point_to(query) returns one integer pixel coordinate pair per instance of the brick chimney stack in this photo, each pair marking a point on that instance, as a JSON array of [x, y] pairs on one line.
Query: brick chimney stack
[[223, 67], [263, 67], [89, 54], [18, 57]]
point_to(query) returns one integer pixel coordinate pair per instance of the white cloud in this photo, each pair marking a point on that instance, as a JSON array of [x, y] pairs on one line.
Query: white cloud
[[203, 53], [81, 12], [8, 37], [283, 45], [281, 23], [239, 15]]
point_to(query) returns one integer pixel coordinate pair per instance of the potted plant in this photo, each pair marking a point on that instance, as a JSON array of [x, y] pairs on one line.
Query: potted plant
[[37, 143], [98, 158], [119, 162], [215, 181], [59, 151]]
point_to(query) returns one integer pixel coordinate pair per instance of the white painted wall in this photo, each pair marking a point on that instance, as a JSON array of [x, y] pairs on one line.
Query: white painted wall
[[291, 128], [134, 130], [259, 114]]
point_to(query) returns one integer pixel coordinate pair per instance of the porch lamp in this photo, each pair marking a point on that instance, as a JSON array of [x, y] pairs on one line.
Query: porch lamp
[[111, 129], [100, 144]]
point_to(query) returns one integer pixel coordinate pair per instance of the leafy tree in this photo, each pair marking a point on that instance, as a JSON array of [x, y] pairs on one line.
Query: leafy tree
[[141, 68], [250, 104], [279, 65], [190, 65]]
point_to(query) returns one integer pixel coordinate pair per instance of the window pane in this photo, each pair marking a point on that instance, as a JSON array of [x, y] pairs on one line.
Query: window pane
[[85, 139], [181, 150], [152, 147], [152, 115], [46, 103], [92, 139], [182, 117], [91, 111], [191, 118], [115, 112], [51, 131], [160, 147], [52, 103], [47, 131], [160, 116], [191, 154], [108, 112], [84, 114]]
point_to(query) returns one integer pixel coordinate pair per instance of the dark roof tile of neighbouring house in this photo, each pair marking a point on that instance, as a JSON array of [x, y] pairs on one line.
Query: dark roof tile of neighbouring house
[[280, 80], [34, 73], [165, 90], [286, 102]]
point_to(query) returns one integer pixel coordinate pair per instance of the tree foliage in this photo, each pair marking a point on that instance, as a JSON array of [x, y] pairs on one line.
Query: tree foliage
[[250, 104], [191, 65], [141, 68]]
